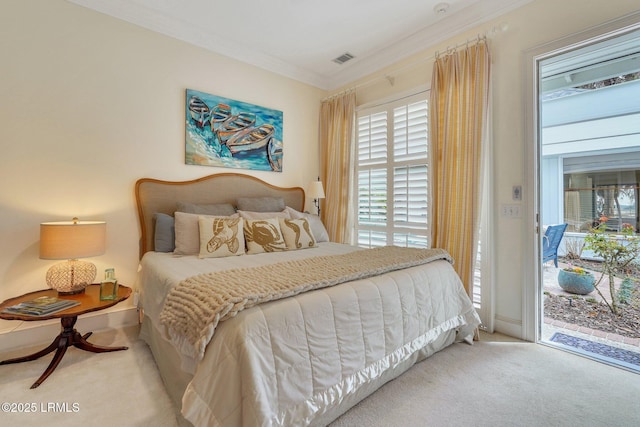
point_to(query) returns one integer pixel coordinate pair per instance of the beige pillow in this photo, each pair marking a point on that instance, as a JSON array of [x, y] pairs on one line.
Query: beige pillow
[[264, 215], [297, 233], [220, 237], [187, 234], [263, 235]]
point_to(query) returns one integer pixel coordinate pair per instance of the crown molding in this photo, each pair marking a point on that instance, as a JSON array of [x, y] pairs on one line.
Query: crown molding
[[449, 26]]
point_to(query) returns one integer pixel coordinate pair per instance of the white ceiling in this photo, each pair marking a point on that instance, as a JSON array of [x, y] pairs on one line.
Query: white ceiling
[[300, 38]]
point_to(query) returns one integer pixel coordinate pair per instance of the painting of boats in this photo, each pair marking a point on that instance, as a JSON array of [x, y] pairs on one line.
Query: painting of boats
[[224, 132]]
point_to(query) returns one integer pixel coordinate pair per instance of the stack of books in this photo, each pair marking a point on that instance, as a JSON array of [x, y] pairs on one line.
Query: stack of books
[[41, 306]]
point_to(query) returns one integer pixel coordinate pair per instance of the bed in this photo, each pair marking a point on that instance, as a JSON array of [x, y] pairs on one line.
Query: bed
[[301, 355]]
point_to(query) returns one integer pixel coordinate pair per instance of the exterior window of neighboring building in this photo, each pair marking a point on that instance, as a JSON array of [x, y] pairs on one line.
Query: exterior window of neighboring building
[[590, 195]]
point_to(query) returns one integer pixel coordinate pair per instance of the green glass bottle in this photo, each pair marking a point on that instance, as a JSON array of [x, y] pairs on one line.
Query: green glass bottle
[[109, 286]]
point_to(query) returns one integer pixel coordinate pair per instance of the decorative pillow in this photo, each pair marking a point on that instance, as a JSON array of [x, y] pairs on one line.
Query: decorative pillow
[[297, 233], [263, 235], [317, 227], [164, 236], [220, 237], [188, 233], [219, 209], [260, 204], [264, 215]]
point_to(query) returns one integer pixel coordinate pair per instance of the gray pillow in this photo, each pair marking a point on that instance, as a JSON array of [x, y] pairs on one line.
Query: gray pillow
[[317, 227], [218, 209], [261, 204], [164, 235]]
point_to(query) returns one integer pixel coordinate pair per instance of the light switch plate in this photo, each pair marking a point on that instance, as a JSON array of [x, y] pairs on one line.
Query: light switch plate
[[516, 192], [511, 211]]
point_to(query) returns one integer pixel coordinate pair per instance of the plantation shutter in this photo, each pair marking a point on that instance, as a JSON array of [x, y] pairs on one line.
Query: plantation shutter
[[392, 174]]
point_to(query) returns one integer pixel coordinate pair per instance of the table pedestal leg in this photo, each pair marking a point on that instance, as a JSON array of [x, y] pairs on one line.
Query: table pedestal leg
[[67, 338]]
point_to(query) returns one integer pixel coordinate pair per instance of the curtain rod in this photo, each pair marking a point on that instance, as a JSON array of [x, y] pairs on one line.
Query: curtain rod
[[484, 37], [391, 79]]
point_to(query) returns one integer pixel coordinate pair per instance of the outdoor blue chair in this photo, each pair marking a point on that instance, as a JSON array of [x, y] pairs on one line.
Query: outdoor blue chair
[[551, 241]]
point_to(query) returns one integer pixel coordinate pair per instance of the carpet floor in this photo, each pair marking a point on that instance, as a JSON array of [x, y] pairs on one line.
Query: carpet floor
[[121, 388], [496, 382]]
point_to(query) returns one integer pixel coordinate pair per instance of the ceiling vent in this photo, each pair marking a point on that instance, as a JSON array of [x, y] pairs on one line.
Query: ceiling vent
[[343, 58]]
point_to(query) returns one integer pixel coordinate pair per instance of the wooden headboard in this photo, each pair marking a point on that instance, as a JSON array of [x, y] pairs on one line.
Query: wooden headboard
[[154, 195]]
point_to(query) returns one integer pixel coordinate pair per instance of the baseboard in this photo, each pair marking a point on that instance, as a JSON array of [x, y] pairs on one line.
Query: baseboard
[[508, 326], [16, 334]]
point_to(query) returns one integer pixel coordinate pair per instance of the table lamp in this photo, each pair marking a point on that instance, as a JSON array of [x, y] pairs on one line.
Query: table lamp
[[71, 240], [316, 192]]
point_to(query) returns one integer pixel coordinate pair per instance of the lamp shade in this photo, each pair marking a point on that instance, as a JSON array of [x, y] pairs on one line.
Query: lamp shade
[[72, 239], [315, 190]]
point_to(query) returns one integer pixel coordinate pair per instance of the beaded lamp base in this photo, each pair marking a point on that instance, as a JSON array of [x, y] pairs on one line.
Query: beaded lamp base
[[71, 277]]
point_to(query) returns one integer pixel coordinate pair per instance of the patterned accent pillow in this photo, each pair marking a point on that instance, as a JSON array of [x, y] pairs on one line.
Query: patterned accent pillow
[[220, 237], [297, 233], [263, 235], [187, 233]]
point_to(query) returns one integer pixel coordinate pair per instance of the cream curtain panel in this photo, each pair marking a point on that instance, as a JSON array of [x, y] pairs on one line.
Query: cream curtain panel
[[337, 117], [458, 110], [572, 210]]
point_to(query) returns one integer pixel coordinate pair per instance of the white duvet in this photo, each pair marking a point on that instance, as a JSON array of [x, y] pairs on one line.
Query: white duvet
[[305, 360]]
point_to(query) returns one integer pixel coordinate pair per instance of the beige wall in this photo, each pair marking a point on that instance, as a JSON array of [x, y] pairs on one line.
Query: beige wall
[[89, 104], [537, 23]]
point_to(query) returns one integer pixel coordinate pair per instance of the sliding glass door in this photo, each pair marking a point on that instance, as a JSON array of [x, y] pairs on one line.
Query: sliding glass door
[[589, 179]]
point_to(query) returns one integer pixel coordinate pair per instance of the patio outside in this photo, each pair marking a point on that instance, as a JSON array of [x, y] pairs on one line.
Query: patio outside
[[586, 316]]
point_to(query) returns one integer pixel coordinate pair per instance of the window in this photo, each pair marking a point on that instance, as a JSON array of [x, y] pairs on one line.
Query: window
[[391, 170], [590, 195]]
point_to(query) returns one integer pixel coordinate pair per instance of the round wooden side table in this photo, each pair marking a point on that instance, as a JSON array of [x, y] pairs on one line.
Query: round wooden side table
[[89, 301]]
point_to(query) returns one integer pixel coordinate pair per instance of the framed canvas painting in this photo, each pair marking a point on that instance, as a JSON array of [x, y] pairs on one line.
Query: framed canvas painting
[[228, 133]]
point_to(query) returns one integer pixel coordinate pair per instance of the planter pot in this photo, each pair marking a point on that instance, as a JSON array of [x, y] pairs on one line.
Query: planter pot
[[575, 283]]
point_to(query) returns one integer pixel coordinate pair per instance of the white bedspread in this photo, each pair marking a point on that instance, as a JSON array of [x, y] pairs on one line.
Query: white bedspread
[[304, 360]]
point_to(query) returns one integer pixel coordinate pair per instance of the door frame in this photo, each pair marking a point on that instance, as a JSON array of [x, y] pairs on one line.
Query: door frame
[[532, 306]]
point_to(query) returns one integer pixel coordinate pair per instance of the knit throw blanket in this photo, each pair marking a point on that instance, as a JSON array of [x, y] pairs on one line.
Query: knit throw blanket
[[195, 306]]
